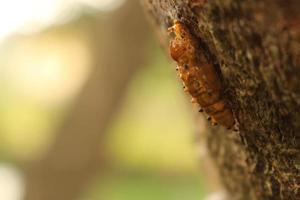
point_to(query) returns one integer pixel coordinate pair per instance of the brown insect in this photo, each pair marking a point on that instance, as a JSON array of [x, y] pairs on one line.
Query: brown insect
[[199, 77]]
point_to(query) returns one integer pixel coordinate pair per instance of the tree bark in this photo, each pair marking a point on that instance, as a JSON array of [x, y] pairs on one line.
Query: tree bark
[[255, 47]]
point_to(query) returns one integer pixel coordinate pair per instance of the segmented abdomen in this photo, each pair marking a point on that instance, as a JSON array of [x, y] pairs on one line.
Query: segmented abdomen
[[199, 76]]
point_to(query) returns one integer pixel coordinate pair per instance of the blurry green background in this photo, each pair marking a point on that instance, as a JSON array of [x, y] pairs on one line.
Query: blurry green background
[[47, 58]]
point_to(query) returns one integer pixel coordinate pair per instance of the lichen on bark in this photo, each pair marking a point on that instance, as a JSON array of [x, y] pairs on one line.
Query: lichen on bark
[[255, 46]]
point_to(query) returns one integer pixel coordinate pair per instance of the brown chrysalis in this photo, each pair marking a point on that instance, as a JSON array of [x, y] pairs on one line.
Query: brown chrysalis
[[199, 77]]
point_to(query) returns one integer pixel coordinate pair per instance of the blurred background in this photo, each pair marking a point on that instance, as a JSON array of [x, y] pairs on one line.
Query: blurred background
[[90, 106]]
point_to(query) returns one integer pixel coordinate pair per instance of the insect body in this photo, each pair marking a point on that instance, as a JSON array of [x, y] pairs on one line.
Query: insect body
[[199, 76]]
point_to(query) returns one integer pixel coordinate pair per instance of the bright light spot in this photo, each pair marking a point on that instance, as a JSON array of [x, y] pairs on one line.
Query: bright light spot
[[220, 195], [49, 70], [33, 15], [103, 4], [11, 183], [15, 14]]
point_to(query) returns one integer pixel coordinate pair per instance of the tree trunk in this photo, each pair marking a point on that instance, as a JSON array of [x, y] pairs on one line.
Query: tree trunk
[[255, 47], [77, 156]]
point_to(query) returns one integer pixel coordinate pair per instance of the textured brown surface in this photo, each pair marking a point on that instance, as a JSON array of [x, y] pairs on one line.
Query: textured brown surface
[[255, 46]]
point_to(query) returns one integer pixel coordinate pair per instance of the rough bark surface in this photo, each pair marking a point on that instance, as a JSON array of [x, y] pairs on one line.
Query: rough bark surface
[[255, 46]]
